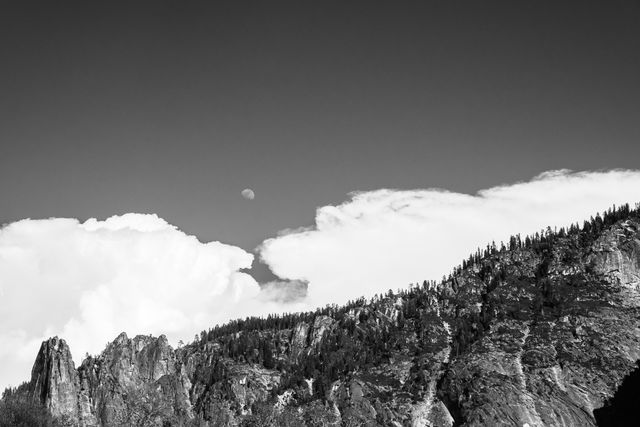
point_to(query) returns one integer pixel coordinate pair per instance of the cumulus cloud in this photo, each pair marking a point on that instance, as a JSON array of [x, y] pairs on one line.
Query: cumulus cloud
[[87, 282], [386, 239]]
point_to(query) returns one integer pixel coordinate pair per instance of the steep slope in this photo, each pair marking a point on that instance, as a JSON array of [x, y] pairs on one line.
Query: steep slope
[[541, 334], [563, 334]]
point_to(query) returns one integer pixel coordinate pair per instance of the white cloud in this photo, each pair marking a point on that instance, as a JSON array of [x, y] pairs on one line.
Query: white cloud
[[389, 238], [87, 282]]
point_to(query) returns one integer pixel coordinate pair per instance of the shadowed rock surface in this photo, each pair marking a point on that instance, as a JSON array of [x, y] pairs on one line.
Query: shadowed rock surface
[[542, 333], [622, 409]]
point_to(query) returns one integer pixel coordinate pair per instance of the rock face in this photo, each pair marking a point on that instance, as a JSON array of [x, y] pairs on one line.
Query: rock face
[[542, 334], [130, 372], [54, 379], [565, 351]]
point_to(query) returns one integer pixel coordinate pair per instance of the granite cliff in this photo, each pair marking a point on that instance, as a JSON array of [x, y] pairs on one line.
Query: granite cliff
[[542, 332]]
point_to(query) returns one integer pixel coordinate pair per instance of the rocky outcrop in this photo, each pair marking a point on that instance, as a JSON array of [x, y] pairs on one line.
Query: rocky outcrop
[[299, 340], [321, 326], [54, 379], [561, 343], [538, 335]]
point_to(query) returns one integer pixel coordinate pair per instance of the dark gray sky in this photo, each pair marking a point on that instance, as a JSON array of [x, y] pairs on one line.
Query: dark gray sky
[[175, 107]]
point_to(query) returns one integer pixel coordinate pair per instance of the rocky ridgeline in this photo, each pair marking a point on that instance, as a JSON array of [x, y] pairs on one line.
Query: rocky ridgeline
[[528, 336]]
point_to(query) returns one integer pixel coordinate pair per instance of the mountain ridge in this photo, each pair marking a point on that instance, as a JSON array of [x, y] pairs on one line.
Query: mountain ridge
[[541, 332]]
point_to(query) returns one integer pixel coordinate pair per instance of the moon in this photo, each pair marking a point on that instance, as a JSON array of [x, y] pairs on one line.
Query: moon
[[248, 194]]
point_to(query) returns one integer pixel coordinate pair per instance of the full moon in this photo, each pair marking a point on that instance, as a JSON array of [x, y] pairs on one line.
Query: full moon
[[248, 194]]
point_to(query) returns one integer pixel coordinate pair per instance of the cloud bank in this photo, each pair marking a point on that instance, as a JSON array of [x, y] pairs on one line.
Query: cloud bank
[[87, 282], [387, 239]]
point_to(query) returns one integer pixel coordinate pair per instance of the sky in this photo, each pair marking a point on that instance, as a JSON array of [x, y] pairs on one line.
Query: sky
[[333, 113]]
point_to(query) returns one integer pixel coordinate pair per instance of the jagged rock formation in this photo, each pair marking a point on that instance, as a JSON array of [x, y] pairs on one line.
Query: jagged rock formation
[[54, 379], [540, 334]]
